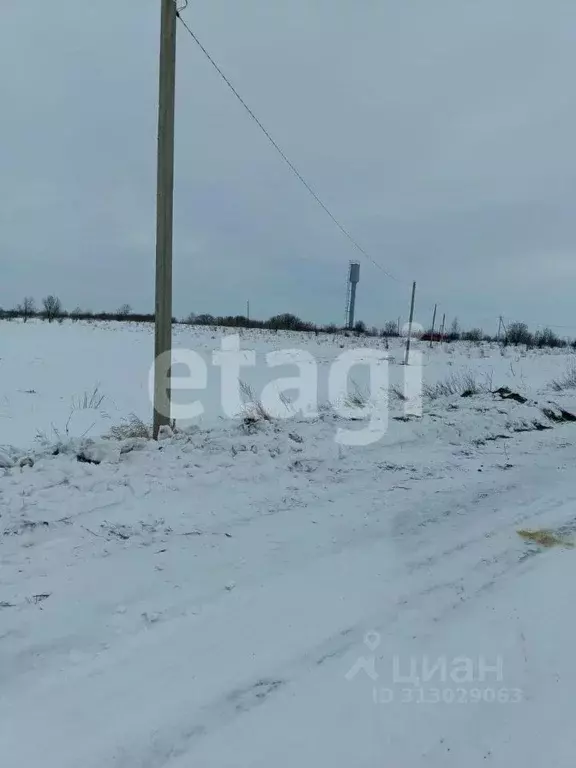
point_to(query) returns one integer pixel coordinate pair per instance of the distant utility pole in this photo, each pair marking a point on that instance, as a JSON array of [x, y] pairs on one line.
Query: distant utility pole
[[407, 355], [164, 217], [433, 325], [499, 327], [399, 325], [248, 311], [442, 328]]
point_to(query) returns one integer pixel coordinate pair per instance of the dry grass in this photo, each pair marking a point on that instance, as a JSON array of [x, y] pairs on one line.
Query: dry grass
[[398, 393], [357, 398], [568, 380], [545, 538], [464, 384], [254, 411], [132, 427], [89, 400]]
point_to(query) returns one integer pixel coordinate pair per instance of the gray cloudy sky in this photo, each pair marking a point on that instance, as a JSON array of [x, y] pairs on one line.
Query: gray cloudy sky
[[440, 132]]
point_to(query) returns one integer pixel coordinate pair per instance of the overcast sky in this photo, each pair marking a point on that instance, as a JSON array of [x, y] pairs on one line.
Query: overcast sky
[[441, 132]]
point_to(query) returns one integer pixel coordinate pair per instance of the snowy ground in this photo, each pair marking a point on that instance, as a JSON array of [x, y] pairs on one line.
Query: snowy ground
[[45, 369], [260, 595]]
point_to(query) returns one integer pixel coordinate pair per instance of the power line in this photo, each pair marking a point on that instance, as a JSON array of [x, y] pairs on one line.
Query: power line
[[283, 155]]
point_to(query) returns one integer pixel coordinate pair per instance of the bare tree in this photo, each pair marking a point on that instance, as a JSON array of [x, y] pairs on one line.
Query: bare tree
[[390, 328], [474, 334], [454, 334], [52, 307], [124, 310], [27, 308], [518, 333], [547, 338]]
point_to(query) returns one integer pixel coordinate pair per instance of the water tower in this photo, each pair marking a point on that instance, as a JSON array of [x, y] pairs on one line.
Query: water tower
[[353, 279]]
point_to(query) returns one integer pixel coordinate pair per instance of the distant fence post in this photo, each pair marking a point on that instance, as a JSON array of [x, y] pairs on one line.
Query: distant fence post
[[407, 355], [433, 326]]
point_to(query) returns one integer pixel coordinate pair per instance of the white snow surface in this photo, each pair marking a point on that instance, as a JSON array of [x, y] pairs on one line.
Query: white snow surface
[[259, 595]]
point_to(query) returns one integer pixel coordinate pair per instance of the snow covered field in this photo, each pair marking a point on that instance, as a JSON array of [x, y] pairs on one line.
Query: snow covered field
[[259, 594], [46, 370]]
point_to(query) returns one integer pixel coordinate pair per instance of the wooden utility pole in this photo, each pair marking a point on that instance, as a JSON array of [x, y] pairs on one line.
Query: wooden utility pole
[[164, 217], [248, 311], [433, 325], [442, 328], [407, 355]]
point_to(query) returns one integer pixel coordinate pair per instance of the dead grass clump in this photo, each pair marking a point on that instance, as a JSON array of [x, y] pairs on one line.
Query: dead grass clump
[[131, 428], [464, 384], [89, 401], [357, 398], [567, 381], [545, 537], [398, 393], [254, 410]]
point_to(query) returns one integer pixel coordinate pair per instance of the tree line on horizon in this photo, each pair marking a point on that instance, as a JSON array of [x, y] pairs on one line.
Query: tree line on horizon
[[518, 333]]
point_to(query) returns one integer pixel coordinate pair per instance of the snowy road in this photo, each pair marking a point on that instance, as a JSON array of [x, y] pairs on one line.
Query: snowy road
[[202, 604]]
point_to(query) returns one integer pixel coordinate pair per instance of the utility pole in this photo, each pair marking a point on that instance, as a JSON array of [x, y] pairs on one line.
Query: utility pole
[[164, 217], [399, 334], [407, 355], [248, 312], [499, 327], [442, 328], [433, 325], [504, 329]]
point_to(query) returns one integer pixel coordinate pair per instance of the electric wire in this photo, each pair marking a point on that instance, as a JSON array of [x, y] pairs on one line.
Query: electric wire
[[283, 155]]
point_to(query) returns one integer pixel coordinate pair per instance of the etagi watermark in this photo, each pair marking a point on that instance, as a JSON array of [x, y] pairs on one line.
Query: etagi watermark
[[371, 409], [440, 680]]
